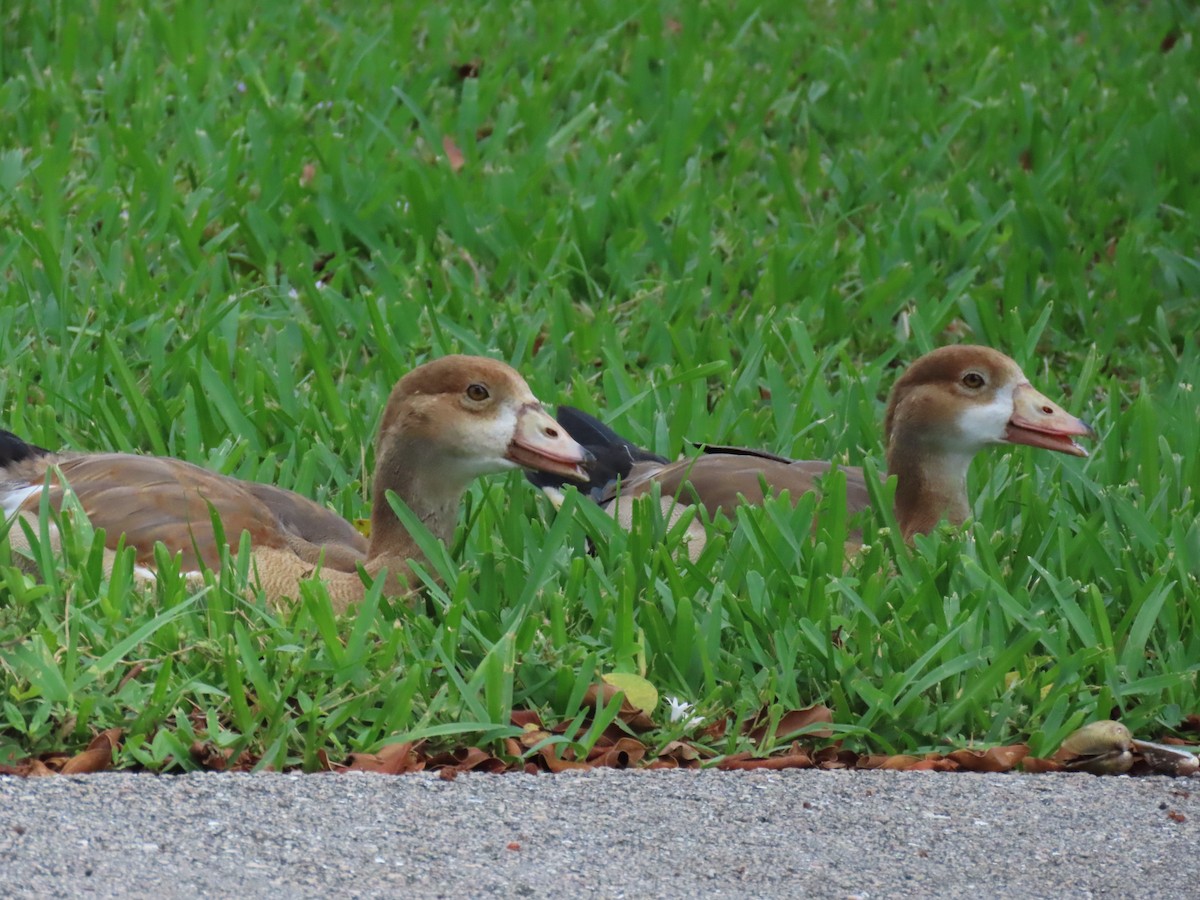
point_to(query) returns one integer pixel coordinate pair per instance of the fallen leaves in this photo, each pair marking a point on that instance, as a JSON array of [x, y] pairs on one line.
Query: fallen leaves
[[392, 759], [795, 758], [98, 757], [995, 759], [782, 740], [209, 756], [761, 730], [600, 695]]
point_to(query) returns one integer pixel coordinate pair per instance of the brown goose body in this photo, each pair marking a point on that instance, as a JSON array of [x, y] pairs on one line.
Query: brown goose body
[[446, 423], [719, 480], [947, 406]]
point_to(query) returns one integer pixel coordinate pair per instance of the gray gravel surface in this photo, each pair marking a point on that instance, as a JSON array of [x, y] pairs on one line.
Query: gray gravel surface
[[601, 834]]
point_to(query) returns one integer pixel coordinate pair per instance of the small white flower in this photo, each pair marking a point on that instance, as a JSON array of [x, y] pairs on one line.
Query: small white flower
[[682, 711]]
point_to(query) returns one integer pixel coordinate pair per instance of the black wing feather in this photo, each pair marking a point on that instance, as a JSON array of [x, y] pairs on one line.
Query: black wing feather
[[14, 450], [614, 455]]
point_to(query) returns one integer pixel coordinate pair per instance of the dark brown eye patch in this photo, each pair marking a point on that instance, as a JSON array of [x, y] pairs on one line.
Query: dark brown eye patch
[[973, 380], [477, 392]]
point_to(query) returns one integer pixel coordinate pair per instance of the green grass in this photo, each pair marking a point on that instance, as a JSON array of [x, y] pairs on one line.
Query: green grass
[[226, 230]]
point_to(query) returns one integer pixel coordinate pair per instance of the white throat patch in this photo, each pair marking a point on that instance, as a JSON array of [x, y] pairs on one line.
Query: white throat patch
[[483, 446], [981, 424]]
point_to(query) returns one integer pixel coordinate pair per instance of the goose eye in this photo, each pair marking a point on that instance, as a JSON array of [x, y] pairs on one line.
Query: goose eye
[[477, 392], [973, 380]]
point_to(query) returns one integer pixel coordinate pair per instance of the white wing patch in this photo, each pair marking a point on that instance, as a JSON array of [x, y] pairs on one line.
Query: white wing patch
[[14, 497]]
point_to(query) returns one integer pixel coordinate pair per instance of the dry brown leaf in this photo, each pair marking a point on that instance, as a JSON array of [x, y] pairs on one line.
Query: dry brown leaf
[[393, 759], [531, 738], [602, 694], [835, 758], [682, 752], [873, 761], [468, 759], [995, 759], [30, 767], [454, 156], [54, 761], [790, 723], [621, 755], [208, 756], [613, 733], [247, 762], [38, 769], [532, 732], [599, 693], [896, 762], [87, 763], [797, 758], [905, 762], [557, 764], [98, 755], [523, 718]]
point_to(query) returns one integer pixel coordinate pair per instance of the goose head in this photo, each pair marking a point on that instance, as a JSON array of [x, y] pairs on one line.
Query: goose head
[[949, 405], [466, 416], [958, 400]]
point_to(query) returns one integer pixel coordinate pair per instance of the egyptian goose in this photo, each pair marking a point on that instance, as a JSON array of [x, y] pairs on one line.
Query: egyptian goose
[[944, 409], [445, 423]]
